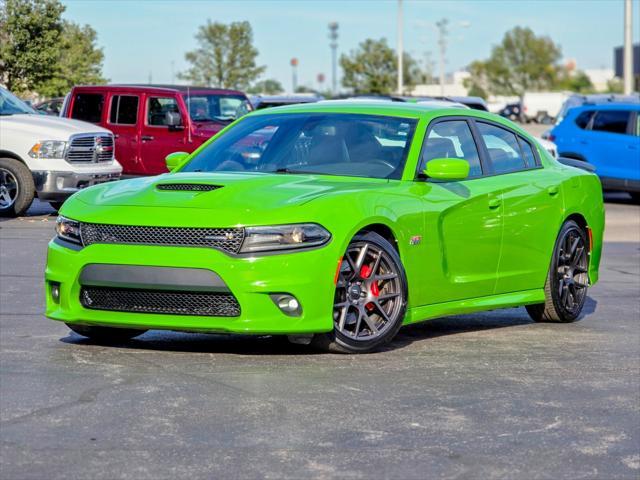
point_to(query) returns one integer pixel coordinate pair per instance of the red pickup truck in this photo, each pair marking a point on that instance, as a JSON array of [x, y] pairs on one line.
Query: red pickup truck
[[151, 121]]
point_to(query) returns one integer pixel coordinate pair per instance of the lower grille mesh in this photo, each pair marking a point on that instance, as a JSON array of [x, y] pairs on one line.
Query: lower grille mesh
[[160, 301]]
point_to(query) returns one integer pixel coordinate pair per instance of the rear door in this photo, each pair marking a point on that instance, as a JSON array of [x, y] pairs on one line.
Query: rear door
[[532, 207], [123, 120], [157, 140], [463, 224]]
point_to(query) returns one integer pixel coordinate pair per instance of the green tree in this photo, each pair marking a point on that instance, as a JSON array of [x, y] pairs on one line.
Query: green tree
[[521, 62], [30, 32], [80, 61], [574, 81], [372, 68], [225, 57], [269, 86]]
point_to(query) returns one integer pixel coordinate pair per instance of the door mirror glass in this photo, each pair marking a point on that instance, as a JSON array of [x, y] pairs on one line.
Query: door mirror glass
[[172, 119], [175, 159], [447, 169]]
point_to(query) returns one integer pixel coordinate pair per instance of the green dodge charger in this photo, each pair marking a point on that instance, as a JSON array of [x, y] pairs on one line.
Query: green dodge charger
[[335, 224]]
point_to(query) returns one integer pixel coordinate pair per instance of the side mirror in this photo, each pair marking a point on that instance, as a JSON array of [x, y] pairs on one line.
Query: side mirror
[[175, 159], [173, 120], [447, 169]]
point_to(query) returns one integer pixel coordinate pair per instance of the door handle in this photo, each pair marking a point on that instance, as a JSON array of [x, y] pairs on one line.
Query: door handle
[[146, 137], [553, 190], [494, 203]]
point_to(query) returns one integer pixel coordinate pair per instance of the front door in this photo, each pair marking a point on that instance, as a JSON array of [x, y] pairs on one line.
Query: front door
[[157, 140], [463, 221]]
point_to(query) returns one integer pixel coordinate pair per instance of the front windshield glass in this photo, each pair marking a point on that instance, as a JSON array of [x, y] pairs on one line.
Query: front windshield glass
[[204, 107], [323, 143], [12, 105]]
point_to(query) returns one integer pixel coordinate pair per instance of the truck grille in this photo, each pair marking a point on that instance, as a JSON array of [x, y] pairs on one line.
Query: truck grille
[[226, 239], [90, 148], [168, 302]]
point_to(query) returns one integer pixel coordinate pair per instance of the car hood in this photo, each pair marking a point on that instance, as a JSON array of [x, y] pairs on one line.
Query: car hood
[[49, 127], [234, 197]]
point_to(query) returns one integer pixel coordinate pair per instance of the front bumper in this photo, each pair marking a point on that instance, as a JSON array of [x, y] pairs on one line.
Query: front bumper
[[57, 186], [307, 275]]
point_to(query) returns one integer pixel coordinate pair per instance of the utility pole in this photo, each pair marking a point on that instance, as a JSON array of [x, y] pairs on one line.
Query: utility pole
[[400, 51], [333, 36], [294, 74], [627, 64], [173, 72], [442, 42]]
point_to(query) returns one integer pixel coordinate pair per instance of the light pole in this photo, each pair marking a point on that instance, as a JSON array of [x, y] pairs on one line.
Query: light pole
[[442, 43], [294, 74], [627, 63], [333, 36], [400, 50]]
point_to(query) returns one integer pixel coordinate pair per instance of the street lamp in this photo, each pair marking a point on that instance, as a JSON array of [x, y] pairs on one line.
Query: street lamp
[[294, 74], [333, 36]]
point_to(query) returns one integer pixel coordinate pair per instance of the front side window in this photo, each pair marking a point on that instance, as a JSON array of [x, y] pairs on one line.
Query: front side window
[[124, 110], [88, 107], [157, 108], [452, 139], [612, 121], [323, 143], [215, 108], [503, 148]]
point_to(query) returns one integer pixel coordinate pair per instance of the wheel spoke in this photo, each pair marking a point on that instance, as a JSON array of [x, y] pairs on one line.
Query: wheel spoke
[[385, 276], [356, 330], [580, 285], [387, 296], [370, 323], [361, 256], [381, 310], [343, 317], [577, 256], [574, 246]]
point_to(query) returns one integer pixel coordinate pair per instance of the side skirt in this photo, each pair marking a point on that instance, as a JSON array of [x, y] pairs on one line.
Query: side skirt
[[471, 305]]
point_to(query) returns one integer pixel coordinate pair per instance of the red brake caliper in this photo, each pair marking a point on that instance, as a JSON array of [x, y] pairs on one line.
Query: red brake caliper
[[365, 272]]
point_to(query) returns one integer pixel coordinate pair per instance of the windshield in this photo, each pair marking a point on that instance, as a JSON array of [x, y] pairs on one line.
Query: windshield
[[323, 143], [211, 108], [12, 105]]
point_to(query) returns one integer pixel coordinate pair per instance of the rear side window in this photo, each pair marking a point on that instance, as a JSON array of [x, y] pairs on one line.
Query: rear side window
[[157, 108], [88, 107], [124, 110], [613, 121], [503, 148], [583, 119], [527, 153], [452, 139]]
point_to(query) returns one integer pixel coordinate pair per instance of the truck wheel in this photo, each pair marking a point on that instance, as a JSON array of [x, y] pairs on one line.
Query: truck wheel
[[16, 188]]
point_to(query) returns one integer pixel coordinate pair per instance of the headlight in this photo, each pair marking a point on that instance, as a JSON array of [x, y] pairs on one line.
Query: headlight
[[68, 230], [48, 149], [284, 237]]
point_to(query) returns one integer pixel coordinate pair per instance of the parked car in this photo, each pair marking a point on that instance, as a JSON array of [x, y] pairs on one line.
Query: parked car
[[50, 107], [512, 111], [335, 232], [606, 136], [151, 121], [267, 101], [542, 107], [48, 156]]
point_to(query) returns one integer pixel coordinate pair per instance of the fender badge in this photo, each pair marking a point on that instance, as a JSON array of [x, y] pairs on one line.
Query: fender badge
[[415, 240]]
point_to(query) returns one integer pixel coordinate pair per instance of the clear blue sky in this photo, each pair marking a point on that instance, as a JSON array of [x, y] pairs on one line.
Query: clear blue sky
[[146, 36]]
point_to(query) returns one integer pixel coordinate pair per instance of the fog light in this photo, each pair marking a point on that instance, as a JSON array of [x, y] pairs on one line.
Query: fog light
[[288, 304], [55, 292]]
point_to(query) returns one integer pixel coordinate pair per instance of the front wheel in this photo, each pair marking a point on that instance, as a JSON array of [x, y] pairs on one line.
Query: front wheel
[[105, 335], [370, 299], [567, 282], [16, 188]]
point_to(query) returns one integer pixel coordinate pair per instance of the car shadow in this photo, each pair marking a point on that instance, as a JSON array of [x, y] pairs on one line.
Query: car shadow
[[247, 345]]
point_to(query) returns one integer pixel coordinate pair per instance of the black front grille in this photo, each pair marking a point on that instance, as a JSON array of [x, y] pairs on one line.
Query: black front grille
[[187, 187], [160, 301], [225, 239]]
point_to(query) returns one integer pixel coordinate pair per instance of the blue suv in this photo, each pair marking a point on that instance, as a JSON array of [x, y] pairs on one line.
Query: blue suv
[[606, 136]]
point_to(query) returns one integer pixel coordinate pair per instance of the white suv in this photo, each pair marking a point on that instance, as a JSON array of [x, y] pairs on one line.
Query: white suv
[[48, 156]]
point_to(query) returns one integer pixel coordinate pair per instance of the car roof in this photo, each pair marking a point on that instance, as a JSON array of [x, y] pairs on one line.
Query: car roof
[[608, 106], [160, 88]]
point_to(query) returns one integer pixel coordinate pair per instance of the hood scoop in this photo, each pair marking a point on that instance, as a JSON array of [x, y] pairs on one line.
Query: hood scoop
[[187, 187]]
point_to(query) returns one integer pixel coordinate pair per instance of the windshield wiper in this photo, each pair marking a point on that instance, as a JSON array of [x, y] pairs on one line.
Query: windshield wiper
[[288, 170]]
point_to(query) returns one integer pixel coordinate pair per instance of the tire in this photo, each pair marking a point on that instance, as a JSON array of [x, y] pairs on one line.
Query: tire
[[16, 188], [362, 323], [567, 281], [105, 335], [56, 205]]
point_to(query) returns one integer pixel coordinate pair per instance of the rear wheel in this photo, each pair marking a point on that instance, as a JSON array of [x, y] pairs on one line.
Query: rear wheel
[[370, 299], [16, 188], [105, 334], [567, 281]]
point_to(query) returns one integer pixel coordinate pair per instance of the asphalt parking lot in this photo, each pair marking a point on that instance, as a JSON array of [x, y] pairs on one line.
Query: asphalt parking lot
[[488, 395]]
